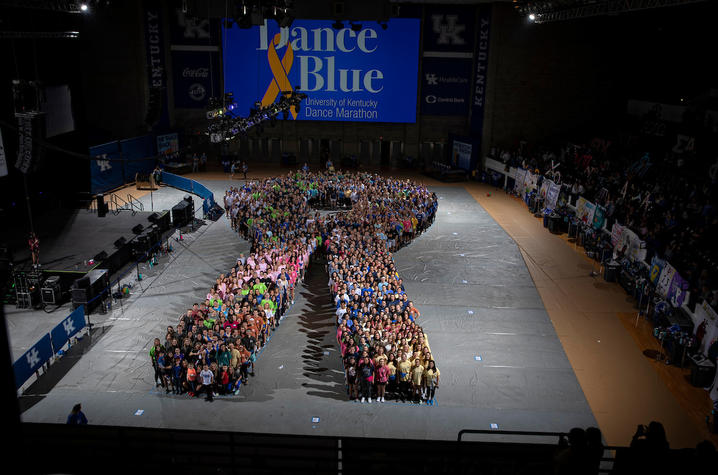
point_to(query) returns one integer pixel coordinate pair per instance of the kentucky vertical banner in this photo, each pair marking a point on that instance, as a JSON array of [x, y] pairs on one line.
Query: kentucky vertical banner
[[3, 160], [481, 71], [449, 33], [154, 42]]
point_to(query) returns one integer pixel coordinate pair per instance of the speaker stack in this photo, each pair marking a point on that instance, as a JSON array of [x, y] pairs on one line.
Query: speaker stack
[[183, 213], [161, 220], [88, 287], [50, 291]]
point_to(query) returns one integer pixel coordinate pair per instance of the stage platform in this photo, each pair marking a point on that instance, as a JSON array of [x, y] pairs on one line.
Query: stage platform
[[477, 300], [69, 238]]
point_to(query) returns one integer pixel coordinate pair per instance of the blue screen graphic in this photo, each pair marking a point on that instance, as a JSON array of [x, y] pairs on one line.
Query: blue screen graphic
[[368, 75]]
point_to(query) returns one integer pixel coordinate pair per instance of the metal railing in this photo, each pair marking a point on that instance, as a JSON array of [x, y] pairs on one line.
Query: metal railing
[[199, 452], [117, 204], [607, 460]]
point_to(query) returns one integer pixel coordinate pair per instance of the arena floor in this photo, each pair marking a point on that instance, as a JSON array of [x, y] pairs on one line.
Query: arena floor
[[483, 282]]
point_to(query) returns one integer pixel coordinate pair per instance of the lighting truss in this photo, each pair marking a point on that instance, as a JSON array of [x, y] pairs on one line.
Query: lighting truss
[[562, 10], [225, 127]]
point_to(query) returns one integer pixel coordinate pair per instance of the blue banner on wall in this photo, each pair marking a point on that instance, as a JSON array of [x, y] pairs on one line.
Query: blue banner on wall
[[134, 150], [369, 75], [449, 29], [481, 71], [116, 163], [104, 173], [33, 358], [67, 328], [196, 78], [445, 86]]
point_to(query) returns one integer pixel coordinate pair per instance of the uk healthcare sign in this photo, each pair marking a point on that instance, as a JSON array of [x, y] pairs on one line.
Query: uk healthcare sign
[[368, 75]]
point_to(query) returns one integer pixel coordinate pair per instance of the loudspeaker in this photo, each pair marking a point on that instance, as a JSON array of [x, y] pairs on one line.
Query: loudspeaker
[[120, 242], [141, 244], [182, 214], [101, 206], [138, 229], [31, 126], [161, 220], [101, 256]]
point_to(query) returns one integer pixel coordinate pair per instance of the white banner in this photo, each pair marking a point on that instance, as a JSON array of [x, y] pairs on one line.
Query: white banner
[[616, 232], [544, 188], [705, 312], [664, 281], [3, 161], [585, 210], [519, 185]]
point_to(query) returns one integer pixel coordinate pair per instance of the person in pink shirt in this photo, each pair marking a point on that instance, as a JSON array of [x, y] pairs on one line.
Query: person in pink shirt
[[382, 376]]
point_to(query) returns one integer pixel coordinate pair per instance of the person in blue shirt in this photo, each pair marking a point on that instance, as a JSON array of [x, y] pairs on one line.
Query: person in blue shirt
[[77, 417], [177, 376]]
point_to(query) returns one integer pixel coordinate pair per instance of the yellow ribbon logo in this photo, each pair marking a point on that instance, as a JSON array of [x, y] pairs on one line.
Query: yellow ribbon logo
[[280, 70]]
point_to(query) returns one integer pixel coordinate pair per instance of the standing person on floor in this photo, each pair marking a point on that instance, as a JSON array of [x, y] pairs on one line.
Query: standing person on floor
[[431, 381], [206, 379], [245, 168], [366, 374], [382, 377], [77, 417], [404, 370], [417, 378], [34, 244], [154, 354]]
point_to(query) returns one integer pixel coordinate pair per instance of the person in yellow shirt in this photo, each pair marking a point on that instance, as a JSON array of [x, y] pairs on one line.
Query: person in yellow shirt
[[391, 386], [417, 378], [404, 369], [431, 381], [380, 356]]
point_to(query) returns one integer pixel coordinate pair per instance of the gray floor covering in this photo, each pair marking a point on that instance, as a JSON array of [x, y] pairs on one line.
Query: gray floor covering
[[476, 297]]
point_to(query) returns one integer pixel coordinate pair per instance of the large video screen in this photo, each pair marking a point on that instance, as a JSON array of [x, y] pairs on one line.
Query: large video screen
[[368, 75]]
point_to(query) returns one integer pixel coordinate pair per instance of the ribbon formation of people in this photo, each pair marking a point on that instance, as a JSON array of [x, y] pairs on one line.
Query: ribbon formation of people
[[353, 222]]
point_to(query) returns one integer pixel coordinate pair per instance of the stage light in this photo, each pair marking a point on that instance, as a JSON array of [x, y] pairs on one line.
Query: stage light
[[532, 17], [83, 7], [356, 26], [337, 25], [383, 24]]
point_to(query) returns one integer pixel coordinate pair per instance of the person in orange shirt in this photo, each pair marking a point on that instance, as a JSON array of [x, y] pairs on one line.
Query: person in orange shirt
[[190, 384]]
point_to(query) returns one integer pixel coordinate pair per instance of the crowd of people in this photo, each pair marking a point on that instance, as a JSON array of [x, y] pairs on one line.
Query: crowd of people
[[664, 190], [385, 352]]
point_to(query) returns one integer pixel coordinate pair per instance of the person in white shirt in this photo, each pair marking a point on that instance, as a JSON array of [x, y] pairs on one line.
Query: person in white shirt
[[206, 378]]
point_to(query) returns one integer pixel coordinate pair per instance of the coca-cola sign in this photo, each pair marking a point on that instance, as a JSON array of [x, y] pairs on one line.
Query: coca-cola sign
[[195, 73], [195, 80]]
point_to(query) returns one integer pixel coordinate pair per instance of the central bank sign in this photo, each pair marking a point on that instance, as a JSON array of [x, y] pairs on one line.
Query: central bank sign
[[365, 75]]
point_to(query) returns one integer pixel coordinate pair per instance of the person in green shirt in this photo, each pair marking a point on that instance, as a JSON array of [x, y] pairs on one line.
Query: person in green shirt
[[154, 354], [224, 356], [260, 287]]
